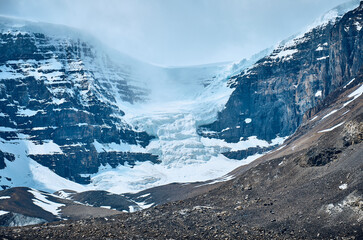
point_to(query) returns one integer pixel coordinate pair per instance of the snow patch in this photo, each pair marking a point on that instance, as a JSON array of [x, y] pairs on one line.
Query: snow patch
[[343, 186], [322, 58], [28, 112], [332, 128], [318, 93], [7, 129], [281, 147], [358, 26], [349, 83], [144, 205], [46, 147], [345, 112], [4, 197], [107, 207], [145, 195], [313, 118], [356, 94], [34, 175], [63, 194], [287, 53], [132, 209], [248, 120], [3, 212], [57, 101], [331, 113], [47, 205], [226, 129]]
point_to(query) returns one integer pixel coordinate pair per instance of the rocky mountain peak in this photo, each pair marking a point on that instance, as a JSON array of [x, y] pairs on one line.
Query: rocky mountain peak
[[55, 98]]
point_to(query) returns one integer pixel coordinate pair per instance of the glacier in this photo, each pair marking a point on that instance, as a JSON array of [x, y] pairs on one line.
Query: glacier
[[173, 119], [166, 102]]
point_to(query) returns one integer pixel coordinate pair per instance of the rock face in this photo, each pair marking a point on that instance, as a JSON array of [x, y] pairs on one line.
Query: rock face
[[271, 97], [59, 94]]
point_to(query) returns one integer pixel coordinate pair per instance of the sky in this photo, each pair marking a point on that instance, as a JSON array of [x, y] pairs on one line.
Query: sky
[[178, 32]]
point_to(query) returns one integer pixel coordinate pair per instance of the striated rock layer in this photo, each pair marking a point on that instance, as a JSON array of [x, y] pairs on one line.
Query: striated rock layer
[[59, 95], [271, 97]]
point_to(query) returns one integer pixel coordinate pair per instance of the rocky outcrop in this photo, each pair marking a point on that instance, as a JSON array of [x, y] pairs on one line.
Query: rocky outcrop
[[243, 154], [4, 155], [270, 98]]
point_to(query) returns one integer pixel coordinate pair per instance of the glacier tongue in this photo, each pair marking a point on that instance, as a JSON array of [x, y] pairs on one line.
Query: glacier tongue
[[185, 156], [169, 103]]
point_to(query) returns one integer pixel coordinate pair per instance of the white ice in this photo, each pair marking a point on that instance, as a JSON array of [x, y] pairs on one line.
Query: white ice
[[356, 94], [285, 53], [26, 172], [346, 85], [46, 147], [313, 118], [322, 58], [343, 186], [47, 205], [3, 212], [331, 113], [332, 128]]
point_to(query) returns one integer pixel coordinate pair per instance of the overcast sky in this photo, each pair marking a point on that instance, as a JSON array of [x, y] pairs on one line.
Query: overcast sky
[[178, 32]]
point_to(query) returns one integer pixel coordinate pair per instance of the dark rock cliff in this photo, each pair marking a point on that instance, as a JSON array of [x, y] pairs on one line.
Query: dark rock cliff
[[271, 97], [54, 90]]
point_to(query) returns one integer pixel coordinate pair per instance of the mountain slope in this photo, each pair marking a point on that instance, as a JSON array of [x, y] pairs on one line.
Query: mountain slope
[[58, 103], [24, 206], [271, 97], [309, 188]]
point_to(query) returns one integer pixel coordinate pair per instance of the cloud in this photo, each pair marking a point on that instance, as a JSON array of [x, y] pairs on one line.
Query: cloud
[[178, 32]]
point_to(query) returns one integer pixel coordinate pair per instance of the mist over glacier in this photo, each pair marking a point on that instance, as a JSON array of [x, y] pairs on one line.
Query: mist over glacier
[[172, 33]]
